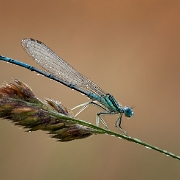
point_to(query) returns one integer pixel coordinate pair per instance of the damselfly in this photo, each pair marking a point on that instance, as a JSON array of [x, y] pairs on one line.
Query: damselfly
[[57, 69]]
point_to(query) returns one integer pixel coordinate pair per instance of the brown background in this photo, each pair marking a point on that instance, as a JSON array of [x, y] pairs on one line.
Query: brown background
[[130, 49]]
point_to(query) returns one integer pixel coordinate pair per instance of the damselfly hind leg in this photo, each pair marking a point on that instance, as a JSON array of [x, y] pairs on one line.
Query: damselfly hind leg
[[85, 105], [98, 117]]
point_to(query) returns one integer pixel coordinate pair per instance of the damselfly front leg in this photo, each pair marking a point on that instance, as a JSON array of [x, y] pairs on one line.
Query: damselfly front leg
[[118, 124]]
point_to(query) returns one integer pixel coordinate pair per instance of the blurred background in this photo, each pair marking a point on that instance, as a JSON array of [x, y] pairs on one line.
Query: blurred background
[[131, 49]]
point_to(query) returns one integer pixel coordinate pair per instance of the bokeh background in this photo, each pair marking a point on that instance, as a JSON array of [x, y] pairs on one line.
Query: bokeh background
[[131, 49]]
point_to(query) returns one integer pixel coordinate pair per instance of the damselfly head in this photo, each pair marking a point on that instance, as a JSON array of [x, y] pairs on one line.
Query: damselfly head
[[128, 112]]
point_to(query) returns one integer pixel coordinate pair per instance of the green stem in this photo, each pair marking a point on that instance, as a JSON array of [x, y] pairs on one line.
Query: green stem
[[99, 130]]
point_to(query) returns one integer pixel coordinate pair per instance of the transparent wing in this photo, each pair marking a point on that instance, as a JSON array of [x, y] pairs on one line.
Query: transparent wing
[[56, 66]]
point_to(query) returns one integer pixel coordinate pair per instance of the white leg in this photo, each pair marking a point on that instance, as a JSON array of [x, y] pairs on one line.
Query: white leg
[[102, 120], [84, 104]]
